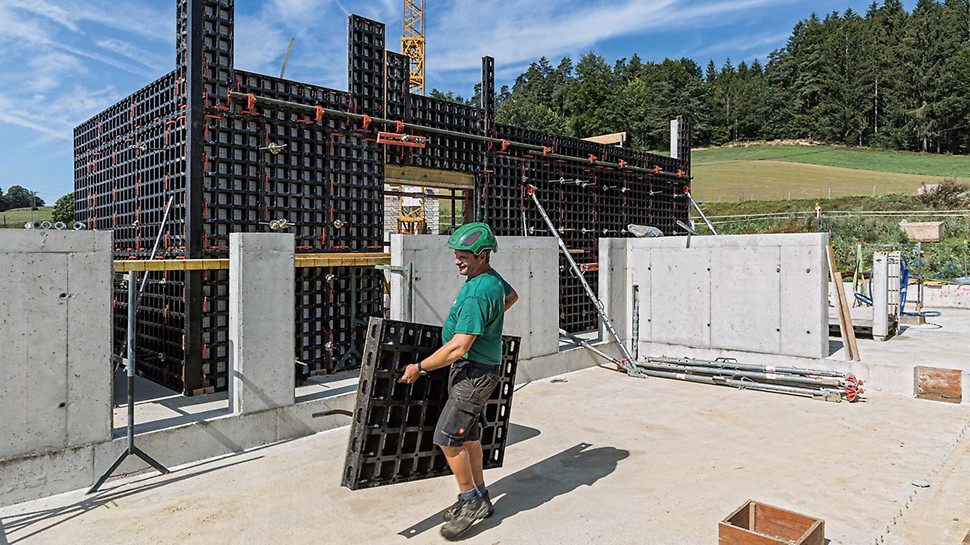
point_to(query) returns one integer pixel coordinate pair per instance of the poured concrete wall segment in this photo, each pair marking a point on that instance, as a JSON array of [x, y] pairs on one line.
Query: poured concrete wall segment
[[530, 264], [261, 322], [754, 293], [55, 340]]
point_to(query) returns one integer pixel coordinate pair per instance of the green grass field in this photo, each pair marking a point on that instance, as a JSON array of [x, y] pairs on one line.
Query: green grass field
[[900, 162], [17, 217], [766, 172]]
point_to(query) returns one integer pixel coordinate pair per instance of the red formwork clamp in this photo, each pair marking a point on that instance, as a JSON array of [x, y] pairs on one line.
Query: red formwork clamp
[[530, 189], [318, 113], [250, 101], [399, 127], [853, 388], [504, 146], [366, 121], [545, 151], [592, 158], [622, 163]]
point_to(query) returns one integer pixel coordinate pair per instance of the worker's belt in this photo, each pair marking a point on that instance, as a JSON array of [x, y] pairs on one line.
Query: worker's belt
[[461, 363]]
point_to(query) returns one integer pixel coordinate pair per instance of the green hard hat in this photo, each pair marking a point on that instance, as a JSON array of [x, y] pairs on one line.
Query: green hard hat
[[474, 238]]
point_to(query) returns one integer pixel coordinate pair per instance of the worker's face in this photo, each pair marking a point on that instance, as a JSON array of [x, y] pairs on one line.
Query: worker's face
[[469, 265]]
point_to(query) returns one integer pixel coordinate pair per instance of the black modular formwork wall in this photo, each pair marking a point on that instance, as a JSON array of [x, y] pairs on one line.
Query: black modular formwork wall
[[232, 164], [393, 425]]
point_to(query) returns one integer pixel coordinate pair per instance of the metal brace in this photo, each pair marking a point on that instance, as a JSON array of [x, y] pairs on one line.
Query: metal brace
[[408, 271]]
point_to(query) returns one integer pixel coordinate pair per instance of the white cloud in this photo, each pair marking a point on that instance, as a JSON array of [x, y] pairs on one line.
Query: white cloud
[[48, 11], [142, 56], [743, 44], [48, 69], [516, 31], [258, 44], [17, 29], [109, 61], [21, 115]]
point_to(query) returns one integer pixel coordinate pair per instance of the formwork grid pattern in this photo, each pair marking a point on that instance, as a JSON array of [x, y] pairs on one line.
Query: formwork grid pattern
[[392, 431], [240, 165]]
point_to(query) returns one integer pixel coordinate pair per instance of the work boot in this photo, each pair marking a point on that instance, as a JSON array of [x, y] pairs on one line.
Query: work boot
[[450, 512], [469, 512]]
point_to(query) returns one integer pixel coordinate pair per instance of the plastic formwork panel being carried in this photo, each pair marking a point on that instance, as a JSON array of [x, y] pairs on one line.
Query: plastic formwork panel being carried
[[393, 423]]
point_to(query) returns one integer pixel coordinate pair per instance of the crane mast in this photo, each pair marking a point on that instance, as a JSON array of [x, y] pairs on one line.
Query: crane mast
[[412, 43]]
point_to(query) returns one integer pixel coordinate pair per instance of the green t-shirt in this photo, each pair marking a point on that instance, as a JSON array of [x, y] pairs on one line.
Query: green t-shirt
[[479, 309]]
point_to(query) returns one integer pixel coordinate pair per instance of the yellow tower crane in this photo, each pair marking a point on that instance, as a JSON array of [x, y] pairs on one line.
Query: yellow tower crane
[[412, 42]]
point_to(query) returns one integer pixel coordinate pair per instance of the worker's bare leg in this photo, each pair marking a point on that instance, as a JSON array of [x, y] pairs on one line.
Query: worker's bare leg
[[461, 465], [474, 451]]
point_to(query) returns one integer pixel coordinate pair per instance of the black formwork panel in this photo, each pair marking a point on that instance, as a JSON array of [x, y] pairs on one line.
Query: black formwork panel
[[239, 165], [322, 175], [128, 165], [584, 200], [391, 435]]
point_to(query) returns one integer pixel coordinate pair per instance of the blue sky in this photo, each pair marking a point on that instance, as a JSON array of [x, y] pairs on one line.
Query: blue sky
[[64, 61]]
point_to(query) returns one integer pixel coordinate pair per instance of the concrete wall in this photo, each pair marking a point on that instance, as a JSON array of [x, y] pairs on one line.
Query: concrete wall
[[754, 293], [55, 339], [935, 296], [944, 296], [530, 264], [261, 275]]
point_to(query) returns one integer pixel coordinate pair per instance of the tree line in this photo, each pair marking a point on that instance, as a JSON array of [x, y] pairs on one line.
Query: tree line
[[19, 197], [887, 79]]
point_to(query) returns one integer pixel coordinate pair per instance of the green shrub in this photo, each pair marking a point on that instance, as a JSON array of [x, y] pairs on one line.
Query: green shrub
[[949, 195]]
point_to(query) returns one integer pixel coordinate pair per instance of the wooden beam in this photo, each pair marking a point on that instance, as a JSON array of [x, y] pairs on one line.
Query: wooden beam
[[125, 265], [608, 139], [342, 260], [349, 259], [845, 319], [427, 177]]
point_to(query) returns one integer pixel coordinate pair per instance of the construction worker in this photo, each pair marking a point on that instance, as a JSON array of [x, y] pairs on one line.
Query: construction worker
[[472, 345]]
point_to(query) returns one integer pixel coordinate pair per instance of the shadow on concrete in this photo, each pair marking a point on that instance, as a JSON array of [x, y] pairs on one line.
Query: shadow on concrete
[[835, 346], [331, 392], [149, 393], [46, 519], [517, 434], [537, 484]]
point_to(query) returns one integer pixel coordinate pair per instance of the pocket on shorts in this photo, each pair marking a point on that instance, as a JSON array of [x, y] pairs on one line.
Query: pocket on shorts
[[459, 418], [484, 386]]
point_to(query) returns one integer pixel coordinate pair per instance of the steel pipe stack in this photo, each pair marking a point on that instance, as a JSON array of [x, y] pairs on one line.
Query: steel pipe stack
[[815, 383]]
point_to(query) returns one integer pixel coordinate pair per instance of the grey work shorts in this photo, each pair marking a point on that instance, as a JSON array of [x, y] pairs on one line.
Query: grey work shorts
[[469, 387]]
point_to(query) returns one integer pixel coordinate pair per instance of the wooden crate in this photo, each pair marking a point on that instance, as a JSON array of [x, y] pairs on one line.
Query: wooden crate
[[756, 523], [923, 231]]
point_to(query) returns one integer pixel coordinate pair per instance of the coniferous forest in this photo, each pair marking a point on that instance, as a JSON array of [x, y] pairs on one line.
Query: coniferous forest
[[885, 79]]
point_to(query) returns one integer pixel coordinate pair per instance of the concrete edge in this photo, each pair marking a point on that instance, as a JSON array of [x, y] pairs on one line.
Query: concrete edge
[[57, 471]]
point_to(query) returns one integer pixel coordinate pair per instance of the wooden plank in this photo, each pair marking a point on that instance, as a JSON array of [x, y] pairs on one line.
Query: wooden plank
[[427, 177], [845, 320], [125, 265], [781, 523], [732, 535], [342, 260], [939, 384], [608, 139], [347, 259]]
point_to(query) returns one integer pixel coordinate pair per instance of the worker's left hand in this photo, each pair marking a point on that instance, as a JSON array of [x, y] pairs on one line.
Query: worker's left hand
[[411, 374]]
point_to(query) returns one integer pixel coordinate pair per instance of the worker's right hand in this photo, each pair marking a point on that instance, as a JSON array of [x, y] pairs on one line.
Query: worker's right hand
[[411, 374]]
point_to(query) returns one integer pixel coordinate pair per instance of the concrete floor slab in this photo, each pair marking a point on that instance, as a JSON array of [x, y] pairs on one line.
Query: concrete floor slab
[[594, 457]]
